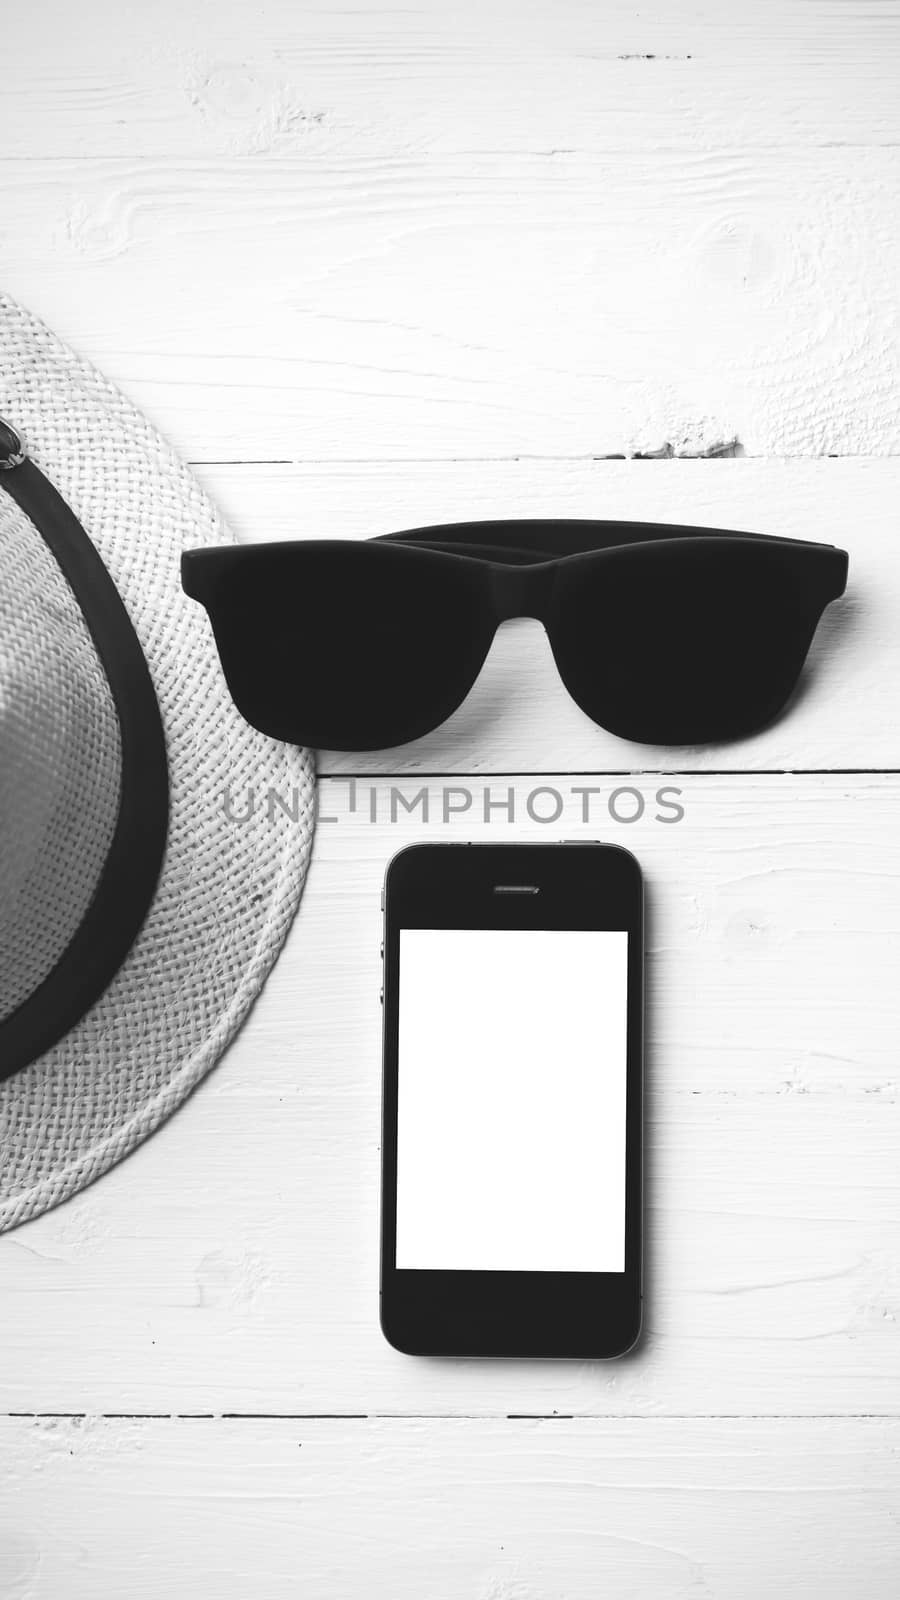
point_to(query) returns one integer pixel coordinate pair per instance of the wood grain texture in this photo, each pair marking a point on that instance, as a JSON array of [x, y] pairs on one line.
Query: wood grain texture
[[480, 303], [469, 1510], [230, 1265], [204, 79], [519, 716], [309, 233]]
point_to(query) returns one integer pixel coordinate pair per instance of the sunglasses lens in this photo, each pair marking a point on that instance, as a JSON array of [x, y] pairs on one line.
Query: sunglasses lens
[[686, 641], [340, 645]]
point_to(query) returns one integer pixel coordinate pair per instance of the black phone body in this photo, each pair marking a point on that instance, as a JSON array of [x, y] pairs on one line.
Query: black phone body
[[512, 1123]]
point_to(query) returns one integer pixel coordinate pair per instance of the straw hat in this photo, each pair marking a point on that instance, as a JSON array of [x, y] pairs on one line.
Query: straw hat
[[138, 916]]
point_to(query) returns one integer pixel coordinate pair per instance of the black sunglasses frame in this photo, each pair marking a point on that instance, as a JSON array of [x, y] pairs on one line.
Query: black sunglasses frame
[[523, 568], [538, 548]]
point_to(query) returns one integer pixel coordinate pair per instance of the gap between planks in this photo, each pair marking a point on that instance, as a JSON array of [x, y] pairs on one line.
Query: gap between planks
[[729, 452], [446, 1416], [412, 775]]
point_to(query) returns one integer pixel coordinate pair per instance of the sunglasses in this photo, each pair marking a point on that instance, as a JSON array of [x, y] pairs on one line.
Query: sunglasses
[[666, 635]]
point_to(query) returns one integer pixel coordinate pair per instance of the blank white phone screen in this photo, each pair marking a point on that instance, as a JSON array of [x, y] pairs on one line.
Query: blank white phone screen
[[511, 1100]]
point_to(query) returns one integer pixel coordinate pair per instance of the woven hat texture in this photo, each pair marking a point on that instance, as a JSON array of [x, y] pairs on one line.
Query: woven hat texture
[[228, 888], [60, 761]]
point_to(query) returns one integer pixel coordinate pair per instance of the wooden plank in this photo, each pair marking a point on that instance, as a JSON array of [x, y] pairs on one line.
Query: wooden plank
[[231, 1263], [287, 79], [480, 303], [519, 716], [503, 1511]]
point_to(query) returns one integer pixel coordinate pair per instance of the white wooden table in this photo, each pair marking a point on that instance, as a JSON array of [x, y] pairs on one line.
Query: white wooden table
[[371, 266]]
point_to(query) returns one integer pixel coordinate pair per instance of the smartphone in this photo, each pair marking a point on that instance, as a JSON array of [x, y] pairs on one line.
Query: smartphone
[[511, 1140]]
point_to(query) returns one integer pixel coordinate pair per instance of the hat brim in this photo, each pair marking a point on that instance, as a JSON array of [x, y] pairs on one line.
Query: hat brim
[[228, 888]]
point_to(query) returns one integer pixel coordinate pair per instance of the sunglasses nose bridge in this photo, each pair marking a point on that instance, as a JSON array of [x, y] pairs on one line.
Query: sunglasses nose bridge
[[522, 591]]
